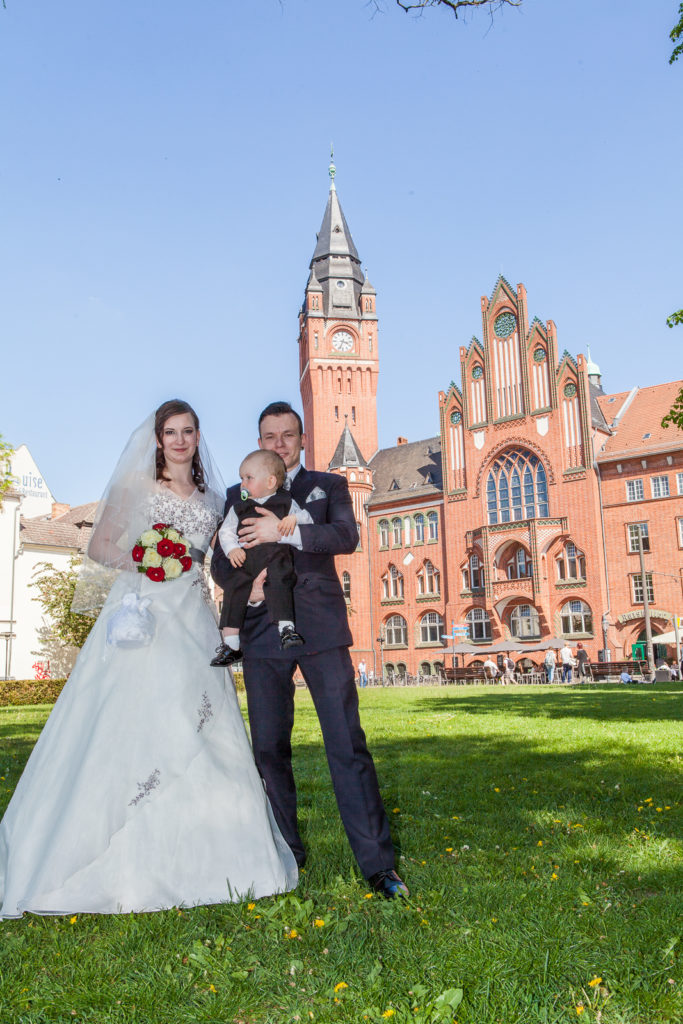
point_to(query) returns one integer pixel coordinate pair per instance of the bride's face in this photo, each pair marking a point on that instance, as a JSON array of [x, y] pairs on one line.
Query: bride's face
[[179, 439]]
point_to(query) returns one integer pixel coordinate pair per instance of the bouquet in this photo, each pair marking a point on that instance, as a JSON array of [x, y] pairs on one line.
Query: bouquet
[[162, 554]]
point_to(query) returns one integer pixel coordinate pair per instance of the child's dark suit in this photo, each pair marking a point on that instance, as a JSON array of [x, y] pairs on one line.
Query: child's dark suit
[[277, 558]]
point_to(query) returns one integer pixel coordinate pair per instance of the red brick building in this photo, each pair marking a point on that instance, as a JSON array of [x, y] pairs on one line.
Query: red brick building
[[521, 517]]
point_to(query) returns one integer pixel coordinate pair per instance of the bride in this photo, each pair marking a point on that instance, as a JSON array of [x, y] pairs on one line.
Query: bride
[[141, 793]]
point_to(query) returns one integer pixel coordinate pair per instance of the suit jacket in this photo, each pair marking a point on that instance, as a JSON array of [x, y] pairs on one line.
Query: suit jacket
[[320, 608]]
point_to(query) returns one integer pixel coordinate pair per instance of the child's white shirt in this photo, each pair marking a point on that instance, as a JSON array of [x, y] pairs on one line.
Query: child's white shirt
[[228, 531]]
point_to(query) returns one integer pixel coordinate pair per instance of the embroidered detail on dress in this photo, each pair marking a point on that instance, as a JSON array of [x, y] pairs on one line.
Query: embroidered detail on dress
[[146, 787], [190, 515], [205, 711]]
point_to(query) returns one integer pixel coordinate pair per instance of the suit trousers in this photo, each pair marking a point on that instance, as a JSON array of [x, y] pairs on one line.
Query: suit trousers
[[331, 681]]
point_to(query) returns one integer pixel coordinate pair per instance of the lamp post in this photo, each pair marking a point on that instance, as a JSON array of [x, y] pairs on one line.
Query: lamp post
[[646, 606], [381, 640]]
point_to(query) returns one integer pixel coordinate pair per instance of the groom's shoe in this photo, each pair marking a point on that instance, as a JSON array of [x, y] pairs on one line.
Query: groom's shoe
[[226, 656], [389, 885], [290, 638]]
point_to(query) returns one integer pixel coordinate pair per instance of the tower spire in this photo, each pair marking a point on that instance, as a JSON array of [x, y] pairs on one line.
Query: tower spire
[[332, 170]]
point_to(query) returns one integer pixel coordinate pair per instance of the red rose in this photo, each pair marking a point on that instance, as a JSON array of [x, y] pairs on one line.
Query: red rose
[[159, 526], [179, 550], [138, 553], [186, 563], [157, 575], [165, 547]]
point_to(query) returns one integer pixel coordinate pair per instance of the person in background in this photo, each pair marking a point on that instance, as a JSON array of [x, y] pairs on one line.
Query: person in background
[[582, 660], [490, 668], [509, 666], [567, 659], [362, 673], [549, 663]]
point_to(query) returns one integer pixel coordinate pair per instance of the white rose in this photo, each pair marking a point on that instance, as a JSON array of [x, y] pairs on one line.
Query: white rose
[[172, 568], [173, 535], [151, 558], [150, 538]]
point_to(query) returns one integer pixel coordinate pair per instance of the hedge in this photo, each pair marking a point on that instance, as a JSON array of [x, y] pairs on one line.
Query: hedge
[[45, 691]]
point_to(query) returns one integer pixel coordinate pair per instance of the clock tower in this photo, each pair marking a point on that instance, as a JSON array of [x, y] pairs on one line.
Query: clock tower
[[338, 361]]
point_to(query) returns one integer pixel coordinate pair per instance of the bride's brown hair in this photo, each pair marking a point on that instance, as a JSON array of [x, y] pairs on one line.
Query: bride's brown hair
[[176, 407]]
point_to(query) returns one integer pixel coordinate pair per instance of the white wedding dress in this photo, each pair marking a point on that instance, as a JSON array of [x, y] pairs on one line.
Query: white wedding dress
[[141, 792]]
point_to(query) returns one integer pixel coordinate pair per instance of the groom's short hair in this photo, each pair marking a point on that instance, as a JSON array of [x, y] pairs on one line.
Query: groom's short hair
[[280, 409]]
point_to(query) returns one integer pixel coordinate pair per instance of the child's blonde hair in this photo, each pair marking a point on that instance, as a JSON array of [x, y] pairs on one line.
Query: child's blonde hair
[[270, 461]]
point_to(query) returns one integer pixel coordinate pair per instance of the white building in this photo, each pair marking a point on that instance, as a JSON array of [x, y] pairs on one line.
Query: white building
[[34, 528]]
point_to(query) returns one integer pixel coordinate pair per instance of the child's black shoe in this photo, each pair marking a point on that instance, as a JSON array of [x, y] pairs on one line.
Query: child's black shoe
[[226, 656], [290, 638]]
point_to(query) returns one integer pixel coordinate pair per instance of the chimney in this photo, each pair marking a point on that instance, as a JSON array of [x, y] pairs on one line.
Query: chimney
[[401, 440], [59, 509]]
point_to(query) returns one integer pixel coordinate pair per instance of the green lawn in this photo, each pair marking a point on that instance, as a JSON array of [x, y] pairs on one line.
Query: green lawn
[[538, 829]]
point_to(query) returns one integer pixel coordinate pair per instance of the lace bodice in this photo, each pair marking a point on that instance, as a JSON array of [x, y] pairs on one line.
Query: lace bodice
[[196, 517]]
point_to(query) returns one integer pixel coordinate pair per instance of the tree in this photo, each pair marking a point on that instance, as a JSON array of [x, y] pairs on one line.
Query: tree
[[55, 593], [676, 34], [457, 5], [6, 478]]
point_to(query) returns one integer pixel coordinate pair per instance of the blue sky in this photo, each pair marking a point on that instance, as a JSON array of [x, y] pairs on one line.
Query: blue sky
[[163, 172]]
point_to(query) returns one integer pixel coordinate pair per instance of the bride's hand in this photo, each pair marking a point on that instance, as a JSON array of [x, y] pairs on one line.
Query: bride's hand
[[260, 530]]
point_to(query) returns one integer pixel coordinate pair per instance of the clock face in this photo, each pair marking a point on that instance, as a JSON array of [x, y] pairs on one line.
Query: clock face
[[342, 341]]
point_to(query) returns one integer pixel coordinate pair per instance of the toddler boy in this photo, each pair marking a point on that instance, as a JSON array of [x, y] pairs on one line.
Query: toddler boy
[[263, 476]]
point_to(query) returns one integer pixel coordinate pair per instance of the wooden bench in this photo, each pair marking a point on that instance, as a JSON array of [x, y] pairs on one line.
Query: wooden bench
[[469, 674], [613, 669]]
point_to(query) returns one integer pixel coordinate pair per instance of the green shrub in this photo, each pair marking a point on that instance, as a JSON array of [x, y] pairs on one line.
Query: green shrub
[[30, 691]]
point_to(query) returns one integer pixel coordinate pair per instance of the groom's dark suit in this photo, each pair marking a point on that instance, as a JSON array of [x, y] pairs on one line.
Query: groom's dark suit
[[324, 660]]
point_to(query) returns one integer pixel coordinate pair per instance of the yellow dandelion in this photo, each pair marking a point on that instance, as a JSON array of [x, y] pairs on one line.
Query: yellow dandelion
[[539, 843], [250, 906], [594, 981], [579, 1009], [389, 1013], [368, 896], [340, 985], [659, 810], [72, 920], [496, 789], [212, 988], [449, 849], [494, 919], [319, 923], [554, 876], [423, 862], [293, 934], [396, 810]]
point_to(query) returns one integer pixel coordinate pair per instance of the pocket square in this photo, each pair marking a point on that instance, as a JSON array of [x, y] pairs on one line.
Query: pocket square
[[316, 495]]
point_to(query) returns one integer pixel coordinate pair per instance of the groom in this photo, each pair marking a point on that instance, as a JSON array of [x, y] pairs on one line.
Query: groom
[[324, 660]]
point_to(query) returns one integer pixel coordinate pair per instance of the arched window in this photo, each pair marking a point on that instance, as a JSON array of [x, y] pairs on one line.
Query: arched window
[[516, 488], [517, 564], [384, 533], [396, 531], [346, 585], [389, 671], [576, 618], [419, 528], [392, 583], [571, 563], [524, 621], [425, 669], [359, 544], [475, 573], [401, 672], [479, 624], [431, 628], [396, 631], [433, 525], [428, 579]]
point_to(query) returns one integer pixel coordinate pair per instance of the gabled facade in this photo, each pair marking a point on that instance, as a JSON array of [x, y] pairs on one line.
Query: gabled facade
[[509, 520]]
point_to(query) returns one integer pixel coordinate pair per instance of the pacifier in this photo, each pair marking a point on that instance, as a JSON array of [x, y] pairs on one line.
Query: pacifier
[[244, 494]]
